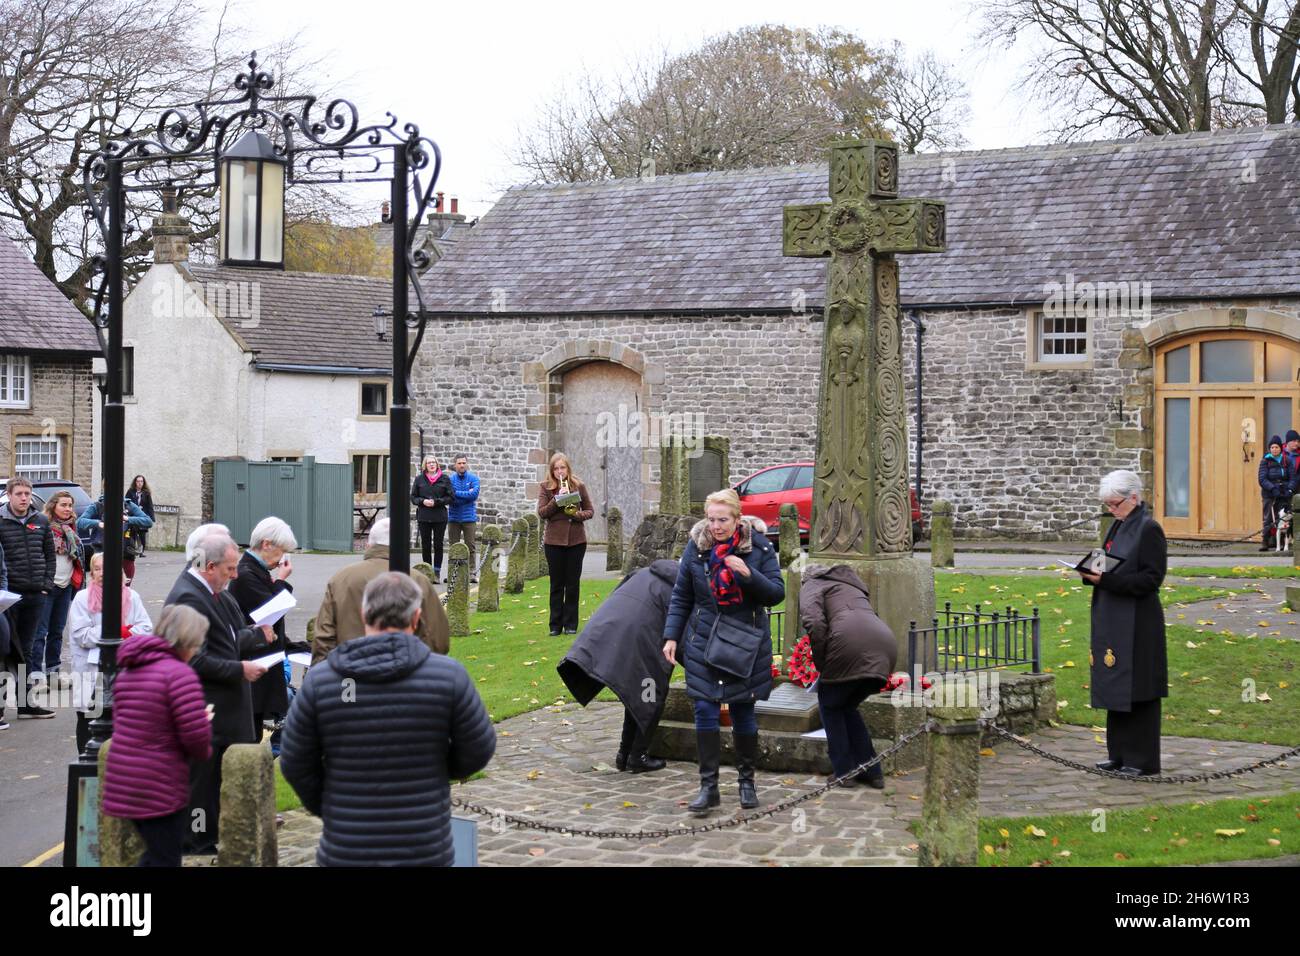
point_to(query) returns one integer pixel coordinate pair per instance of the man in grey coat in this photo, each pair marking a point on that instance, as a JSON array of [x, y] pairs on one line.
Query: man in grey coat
[[378, 732]]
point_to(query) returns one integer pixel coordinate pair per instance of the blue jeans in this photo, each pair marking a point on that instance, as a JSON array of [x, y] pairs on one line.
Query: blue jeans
[[47, 649], [742, 716], [848, 741]]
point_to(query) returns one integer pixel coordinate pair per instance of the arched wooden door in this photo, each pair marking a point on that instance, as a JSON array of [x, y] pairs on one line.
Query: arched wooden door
[[1219, 397]]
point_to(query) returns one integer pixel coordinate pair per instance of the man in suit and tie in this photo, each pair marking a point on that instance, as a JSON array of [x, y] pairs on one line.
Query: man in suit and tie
[[225, 675]]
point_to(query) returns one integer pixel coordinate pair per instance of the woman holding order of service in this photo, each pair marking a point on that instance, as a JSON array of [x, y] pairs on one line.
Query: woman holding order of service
[[1129, 672], [564, 539]]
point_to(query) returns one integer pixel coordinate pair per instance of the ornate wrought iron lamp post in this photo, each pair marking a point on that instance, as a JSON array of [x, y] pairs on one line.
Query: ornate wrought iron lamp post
[[251, 147]]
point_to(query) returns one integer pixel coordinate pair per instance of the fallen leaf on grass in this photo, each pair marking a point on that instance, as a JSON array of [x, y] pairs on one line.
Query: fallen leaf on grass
[[1034, 831], [1214, 711], [1229, 833], [1064, 853], [1274, 842], [988, 848], [1263, 697]]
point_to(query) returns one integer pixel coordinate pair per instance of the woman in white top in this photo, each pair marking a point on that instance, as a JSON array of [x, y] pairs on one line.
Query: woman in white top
[[84, 630]]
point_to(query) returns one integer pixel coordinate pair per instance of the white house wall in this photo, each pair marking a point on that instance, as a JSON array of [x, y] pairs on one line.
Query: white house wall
[[313, 415]]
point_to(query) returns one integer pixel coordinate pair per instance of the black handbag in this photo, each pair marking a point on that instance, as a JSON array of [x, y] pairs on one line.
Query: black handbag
[[733, 645]]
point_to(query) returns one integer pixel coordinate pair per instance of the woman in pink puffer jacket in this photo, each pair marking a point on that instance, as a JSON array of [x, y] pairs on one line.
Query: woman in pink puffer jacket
[[160, 723]]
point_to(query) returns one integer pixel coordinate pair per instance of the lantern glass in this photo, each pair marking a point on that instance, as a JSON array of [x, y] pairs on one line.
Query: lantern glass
[[239, 199], [272, 213]]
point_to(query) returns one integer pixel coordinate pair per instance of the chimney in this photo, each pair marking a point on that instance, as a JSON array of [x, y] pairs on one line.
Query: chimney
[[437, 206], [171, 230], [454, 203], [386, 212]]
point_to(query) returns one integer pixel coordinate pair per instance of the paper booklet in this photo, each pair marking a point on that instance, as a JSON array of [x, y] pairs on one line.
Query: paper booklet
[[274, 609], [300, 657], [269, 660], [8, 599], [1096, 561], [572, 498]]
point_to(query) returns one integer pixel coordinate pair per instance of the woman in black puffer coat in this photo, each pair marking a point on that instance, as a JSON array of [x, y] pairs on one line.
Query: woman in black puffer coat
[[728, 567], [1275, 479]]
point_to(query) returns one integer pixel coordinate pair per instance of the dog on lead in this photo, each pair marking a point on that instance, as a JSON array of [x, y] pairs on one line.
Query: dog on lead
[[1282, 534]]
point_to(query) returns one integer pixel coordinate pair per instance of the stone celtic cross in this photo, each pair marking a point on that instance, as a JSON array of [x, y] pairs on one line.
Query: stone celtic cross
[[861, 507]]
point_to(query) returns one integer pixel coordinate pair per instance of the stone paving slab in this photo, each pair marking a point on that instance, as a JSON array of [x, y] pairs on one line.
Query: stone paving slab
[[556, 765]]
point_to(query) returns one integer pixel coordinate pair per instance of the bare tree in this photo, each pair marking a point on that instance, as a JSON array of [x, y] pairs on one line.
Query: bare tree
[[760, 96], [1154, 66], [925, 102], [76, 74]]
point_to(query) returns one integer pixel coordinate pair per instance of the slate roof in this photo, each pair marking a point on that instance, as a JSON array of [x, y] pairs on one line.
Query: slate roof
[[34, 315], [307, 318], [1213, 215]]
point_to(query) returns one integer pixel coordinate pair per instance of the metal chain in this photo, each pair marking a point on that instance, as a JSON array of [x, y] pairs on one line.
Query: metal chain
[[489, 547], [1155, 778], [524, 823], [1017, 535], [515, 540], [1203, 545], [1181, 542]]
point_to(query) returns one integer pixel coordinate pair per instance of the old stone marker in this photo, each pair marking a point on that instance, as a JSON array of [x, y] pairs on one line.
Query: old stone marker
[[791, 708], [861, 509]]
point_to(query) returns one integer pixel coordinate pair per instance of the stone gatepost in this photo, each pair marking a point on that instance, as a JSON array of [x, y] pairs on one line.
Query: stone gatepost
[[532, 551], [861, 506], [949, 829], [517, 559], [941, 550], [674, 478], [458, 585], [425, 569], [788, 540], [119, 841], [543, 568], [248, 807], [614, 547], [791, 626], [489, 597]]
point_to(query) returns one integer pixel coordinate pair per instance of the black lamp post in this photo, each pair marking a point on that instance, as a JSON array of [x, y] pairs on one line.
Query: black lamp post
[[251, 148]]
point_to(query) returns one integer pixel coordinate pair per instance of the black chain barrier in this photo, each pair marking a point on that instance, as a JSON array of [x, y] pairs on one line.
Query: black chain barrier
[[1020, 535], [523, 823], [1024, 744]]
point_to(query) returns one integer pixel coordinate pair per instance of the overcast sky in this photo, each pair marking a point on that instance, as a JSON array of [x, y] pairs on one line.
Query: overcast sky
[[471, 74]]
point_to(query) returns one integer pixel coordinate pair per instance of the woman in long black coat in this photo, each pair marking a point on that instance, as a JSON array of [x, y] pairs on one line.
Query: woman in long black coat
[[729, 567], [621, 648], [140, 493], [1129, 671], [263, 573]]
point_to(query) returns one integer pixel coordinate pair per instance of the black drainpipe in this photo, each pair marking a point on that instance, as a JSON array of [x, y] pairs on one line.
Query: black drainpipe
[[915, 316]]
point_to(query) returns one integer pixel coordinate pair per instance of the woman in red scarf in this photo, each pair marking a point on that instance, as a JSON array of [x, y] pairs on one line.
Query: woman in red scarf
[[729, 568], [69, 574], [85, 632]]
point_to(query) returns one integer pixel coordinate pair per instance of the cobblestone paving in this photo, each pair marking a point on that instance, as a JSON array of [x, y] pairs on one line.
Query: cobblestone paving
[[556, 765]]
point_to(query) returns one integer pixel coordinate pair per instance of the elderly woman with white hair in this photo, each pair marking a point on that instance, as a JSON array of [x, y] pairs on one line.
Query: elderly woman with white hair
[[264, 572], [1128, 658]]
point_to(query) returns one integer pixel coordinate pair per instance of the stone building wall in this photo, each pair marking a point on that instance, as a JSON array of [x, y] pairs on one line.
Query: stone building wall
[[62, 403], [1017, 450]]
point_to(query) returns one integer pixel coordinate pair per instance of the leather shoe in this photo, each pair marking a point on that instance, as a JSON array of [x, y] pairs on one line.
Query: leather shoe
[[868, 779], [1107, 765], [644, 763], [555, 632], [1135, 772], [570, 630]]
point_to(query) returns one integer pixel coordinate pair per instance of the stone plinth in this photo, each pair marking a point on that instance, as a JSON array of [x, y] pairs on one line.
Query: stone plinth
[[949, 828], [119, 841], [247, 807], [656, 538], [901, 590]]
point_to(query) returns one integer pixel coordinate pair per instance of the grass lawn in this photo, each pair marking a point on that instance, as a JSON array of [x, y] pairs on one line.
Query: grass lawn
[[1210, 667], [1158, 835], [1240, 571]]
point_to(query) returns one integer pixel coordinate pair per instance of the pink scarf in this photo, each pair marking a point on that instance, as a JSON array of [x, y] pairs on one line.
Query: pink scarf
[[436, 475], [95, 600]]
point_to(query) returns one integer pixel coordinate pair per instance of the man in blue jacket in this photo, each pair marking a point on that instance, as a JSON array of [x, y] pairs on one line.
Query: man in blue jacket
[[462, 515]]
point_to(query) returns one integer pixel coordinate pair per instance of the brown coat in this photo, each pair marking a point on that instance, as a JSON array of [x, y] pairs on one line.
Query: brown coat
[[849, 642], [561, 529], [339, 619]]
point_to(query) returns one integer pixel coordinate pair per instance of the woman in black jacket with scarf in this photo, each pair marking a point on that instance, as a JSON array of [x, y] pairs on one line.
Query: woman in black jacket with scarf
[[728, 568], [431, 492], [1275, 479]]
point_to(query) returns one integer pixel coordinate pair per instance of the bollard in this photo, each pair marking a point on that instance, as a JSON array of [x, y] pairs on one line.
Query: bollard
[[248, 807], [532, 562], [517, 559], [788, 539], [119, 841], [543, 567], [941, 549], [949, 829], [791, 626], [614, 546], [458, 585], [426, 570], [489, 597]]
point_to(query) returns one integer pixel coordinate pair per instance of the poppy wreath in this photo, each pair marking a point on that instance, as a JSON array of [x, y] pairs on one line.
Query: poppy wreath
[[899, 679], [801, 668]]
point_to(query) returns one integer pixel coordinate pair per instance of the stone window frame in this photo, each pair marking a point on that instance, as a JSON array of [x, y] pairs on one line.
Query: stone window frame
[[11, 360], [388, 400], [1034, 362], [544, 382], [60, 457], [128, 365], [370, 496]]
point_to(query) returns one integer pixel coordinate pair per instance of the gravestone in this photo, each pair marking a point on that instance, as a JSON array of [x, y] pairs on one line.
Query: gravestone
[[861, 507]]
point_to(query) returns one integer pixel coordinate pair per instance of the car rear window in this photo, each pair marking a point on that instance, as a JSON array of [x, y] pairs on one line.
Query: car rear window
[[804, 477]]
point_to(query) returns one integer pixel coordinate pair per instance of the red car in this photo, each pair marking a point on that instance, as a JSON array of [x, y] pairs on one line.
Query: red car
[[763, 493]]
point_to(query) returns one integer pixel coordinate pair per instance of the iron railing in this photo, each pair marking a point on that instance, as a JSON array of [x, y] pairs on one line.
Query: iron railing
[[975, 641]]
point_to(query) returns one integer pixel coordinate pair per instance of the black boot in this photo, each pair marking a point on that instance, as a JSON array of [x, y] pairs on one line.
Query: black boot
[[644, 763], [746, 756], [709, 743]]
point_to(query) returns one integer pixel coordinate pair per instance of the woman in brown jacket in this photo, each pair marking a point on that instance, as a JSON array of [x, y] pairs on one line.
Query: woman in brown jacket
[[855, 652], [565, 540]]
